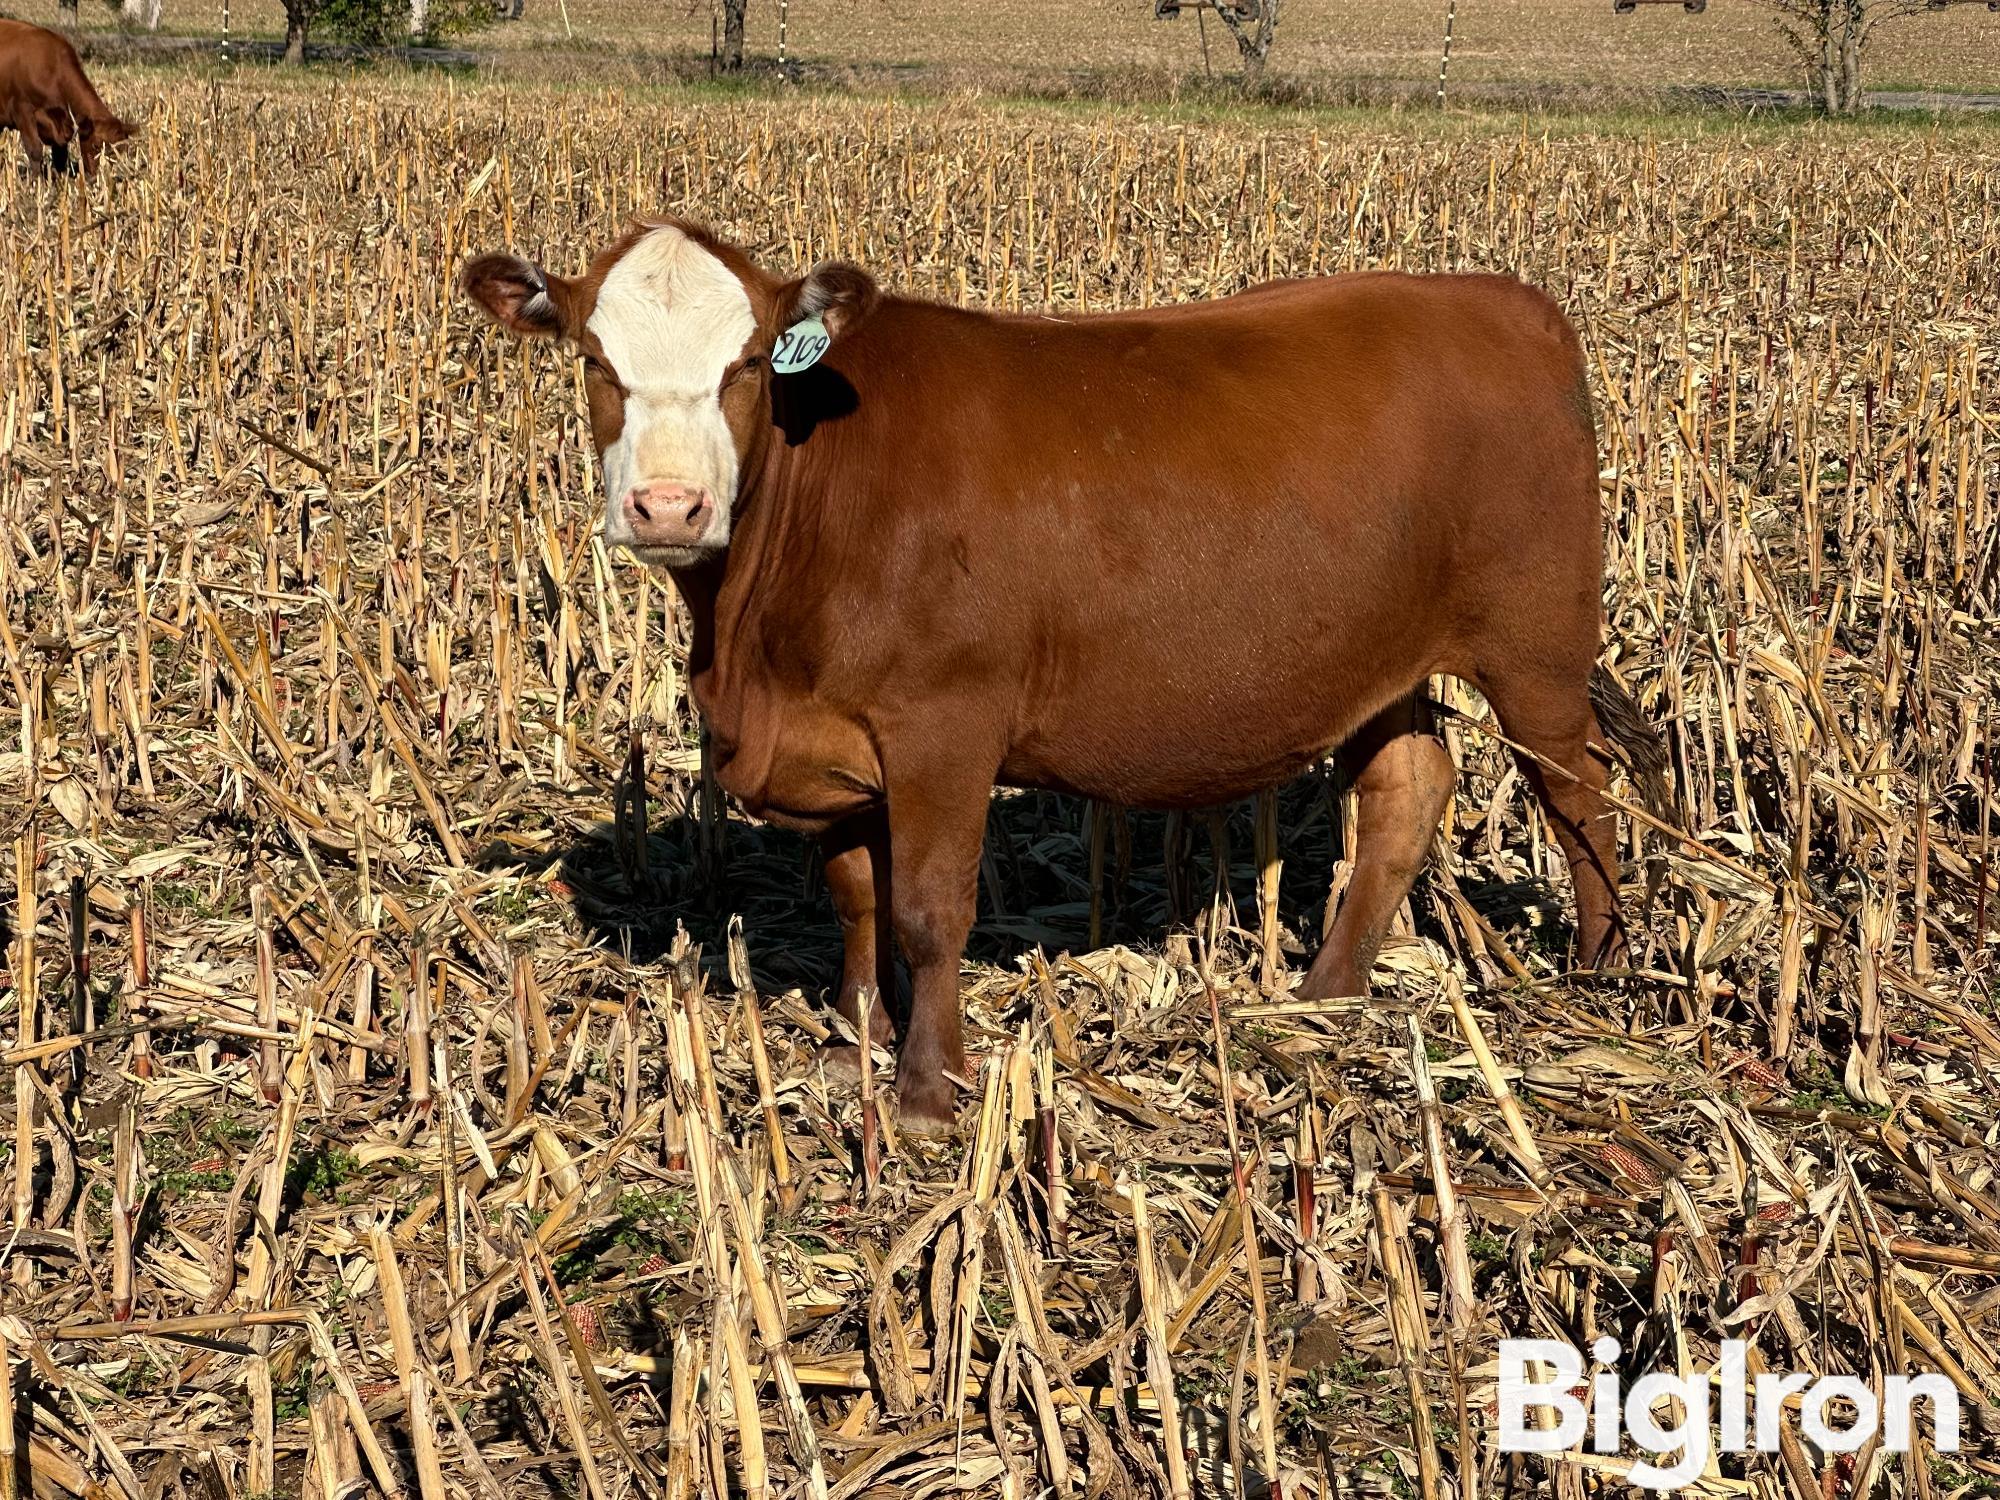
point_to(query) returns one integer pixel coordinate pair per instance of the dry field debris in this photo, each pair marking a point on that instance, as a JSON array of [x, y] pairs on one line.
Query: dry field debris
[[412, 1084]]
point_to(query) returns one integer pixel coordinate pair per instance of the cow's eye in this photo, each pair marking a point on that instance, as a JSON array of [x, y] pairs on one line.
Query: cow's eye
[[749, 366], [592, 365]]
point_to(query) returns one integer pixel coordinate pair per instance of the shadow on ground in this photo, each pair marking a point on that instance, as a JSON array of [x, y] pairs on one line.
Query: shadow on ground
[[1034, 882]]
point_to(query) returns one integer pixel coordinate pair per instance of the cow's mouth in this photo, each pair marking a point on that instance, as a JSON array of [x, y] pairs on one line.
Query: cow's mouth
[[669, 557]]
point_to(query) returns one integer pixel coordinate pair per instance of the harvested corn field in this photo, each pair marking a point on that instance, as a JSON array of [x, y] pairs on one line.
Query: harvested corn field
[[413, 1072]]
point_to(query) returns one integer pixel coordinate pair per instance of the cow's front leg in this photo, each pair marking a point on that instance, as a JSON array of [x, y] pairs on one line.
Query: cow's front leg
[[52, 131], [857, 877], [31, 139], [937, 820]]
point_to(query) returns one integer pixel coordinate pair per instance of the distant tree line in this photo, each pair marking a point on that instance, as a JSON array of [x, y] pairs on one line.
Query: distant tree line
[[1829, 37], [368, 23]]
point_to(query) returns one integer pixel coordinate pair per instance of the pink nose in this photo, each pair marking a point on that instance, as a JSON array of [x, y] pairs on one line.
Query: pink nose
[[667, 515]]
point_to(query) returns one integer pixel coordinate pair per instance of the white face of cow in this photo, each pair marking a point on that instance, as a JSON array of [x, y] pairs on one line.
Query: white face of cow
[[675, 329], [672, 323]]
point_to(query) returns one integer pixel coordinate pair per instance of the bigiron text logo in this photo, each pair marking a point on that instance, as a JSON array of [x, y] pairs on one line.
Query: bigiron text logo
[[1543, 1375]]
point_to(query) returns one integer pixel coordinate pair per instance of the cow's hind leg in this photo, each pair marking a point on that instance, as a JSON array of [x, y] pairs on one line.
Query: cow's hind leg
[[1549, 713], [1403, 777], [857, 877]]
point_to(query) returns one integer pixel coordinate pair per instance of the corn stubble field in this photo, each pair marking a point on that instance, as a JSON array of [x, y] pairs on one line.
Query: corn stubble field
[[392, 1136]]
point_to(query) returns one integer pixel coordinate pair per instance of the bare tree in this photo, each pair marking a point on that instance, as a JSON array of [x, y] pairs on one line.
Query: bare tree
[[1254, 23], [144, 13], [1829, 37]]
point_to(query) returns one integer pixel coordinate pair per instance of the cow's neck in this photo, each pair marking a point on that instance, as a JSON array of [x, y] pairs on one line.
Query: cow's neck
[[699, 586], [717, 595], [779, 495]]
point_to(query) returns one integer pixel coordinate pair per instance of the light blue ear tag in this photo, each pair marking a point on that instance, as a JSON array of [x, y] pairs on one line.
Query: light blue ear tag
[[800, 346]]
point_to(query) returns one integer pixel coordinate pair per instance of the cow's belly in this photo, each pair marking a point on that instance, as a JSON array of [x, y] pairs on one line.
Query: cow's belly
[[1168, 782], [1189, 727], [1174, 771]]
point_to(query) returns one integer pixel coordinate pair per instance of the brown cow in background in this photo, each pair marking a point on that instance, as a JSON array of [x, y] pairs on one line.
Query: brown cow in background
[[44, 95]]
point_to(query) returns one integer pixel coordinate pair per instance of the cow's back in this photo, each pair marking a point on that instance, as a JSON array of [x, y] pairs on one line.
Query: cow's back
[[40, 70], [1306, 398], [1307, 496]]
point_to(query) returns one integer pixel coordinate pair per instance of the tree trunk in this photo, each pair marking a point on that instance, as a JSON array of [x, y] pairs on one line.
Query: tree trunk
[[66, 10], [420, 13], [1850, 69], [295, 31], [1839, 28], [732, 34], [1253, 32], [1829, 38], [1826, 75]]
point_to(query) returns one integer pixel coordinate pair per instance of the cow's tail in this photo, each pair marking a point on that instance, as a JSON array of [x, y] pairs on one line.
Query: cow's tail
[[1626, 726]]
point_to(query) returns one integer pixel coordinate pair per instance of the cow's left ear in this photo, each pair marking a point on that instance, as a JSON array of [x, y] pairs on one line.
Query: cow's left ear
[[838, 294]]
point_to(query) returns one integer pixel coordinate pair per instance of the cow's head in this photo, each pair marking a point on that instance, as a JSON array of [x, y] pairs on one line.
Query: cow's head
[[108, 131], [675, 330]]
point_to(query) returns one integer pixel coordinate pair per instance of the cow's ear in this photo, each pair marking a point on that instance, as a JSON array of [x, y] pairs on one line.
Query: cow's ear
[[838, 294], [518, 295]]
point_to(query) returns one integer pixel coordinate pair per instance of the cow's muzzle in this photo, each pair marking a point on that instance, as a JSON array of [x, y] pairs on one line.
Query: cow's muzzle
[[657, 514]]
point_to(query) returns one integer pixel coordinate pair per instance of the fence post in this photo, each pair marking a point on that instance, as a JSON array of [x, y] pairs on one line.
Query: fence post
[[1444, 63]]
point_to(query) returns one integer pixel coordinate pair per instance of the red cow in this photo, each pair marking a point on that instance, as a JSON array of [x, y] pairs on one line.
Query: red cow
[[44, 95], [1163, 558]]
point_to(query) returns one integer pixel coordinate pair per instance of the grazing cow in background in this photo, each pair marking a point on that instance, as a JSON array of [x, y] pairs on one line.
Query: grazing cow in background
[[1164, 558], [44, 95]]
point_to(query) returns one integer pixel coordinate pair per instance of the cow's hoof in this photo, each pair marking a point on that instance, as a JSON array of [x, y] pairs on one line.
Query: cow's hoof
[[1314, 990], [926, 1112], [842, 1061]]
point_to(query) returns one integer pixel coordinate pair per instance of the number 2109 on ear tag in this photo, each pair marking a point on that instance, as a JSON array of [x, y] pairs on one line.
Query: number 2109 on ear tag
[[800, 346]]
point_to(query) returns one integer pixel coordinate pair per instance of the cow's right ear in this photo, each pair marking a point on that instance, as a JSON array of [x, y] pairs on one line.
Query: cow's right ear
[[518, 295]]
